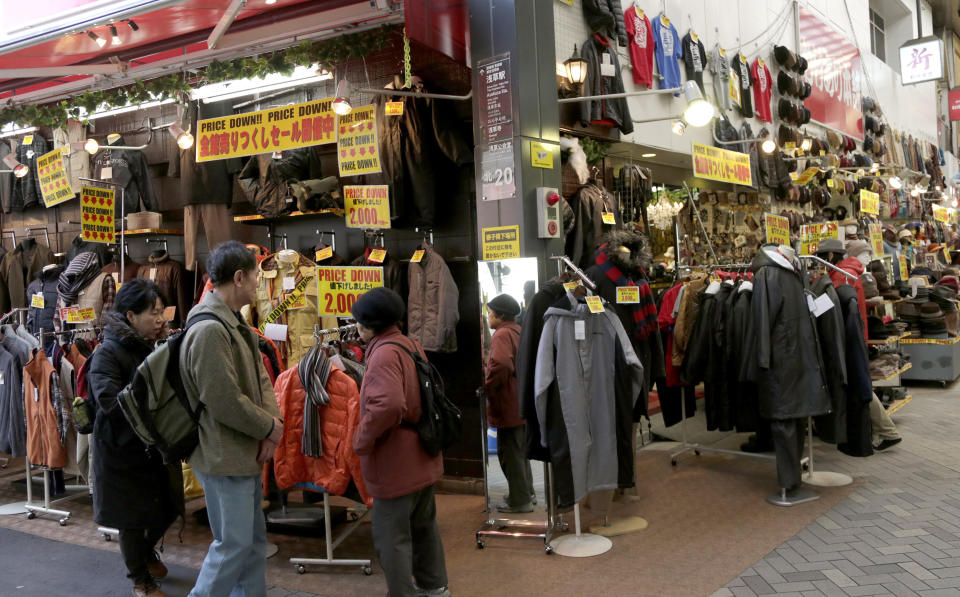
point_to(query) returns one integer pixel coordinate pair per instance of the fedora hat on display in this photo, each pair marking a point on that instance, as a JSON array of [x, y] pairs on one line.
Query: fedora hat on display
[[801, 64], [867, 143], [805, 116], [784, 56], [806, 91], [786, 84]]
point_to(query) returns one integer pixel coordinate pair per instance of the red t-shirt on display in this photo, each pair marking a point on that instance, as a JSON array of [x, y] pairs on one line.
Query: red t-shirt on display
[[640, 34], [761, 91]]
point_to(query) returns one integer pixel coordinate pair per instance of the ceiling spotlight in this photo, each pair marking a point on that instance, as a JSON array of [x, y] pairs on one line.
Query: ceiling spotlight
[[341, 104], [678, 127], [938, 188], [184, 138], [133, 25], [768, 146], [895, 182], [91, 146], [100, 41], [875, 167], [21, 170], [806, 144], [699, 112], [648, 155], [114, 38]]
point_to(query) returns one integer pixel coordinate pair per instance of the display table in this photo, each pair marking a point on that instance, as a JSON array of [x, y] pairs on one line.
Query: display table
[[932, 360]]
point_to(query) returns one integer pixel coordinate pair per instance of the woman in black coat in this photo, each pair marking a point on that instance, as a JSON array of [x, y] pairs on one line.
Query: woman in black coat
[[133, 490]]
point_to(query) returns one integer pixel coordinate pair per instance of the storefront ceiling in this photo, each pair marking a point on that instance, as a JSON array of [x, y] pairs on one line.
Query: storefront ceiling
[[179, 29]]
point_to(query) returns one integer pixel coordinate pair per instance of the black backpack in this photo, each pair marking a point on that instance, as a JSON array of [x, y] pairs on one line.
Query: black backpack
[[441, 422]]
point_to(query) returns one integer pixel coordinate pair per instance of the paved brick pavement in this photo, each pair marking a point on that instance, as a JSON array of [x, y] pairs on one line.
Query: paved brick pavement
[[897, 534]]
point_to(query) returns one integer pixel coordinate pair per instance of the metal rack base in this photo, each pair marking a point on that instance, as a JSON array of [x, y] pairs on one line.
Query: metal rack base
[[332, 542]]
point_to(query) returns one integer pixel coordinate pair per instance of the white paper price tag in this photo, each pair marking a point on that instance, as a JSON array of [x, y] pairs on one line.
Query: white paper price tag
[[106, 173], [810, 304], [579, 330], [289, 283], [606, 66], [276, 332], [822, 304]]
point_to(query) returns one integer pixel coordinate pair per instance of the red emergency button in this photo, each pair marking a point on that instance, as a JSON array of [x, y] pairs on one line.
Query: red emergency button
[[552, 228], [552, 198]]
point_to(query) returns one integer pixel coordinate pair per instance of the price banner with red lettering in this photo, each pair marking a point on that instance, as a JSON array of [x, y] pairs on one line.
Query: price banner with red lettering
[[876, 238], [812, 234], [358, 151], [338, 287], [367, 206], [54, 184], [713, 163], [276, 129], [96, 215]]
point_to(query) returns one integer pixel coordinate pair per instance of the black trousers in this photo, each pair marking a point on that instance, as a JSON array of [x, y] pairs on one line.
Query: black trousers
[[137, 547], [407, 541], [511, 444], [788, 437], [670, 401]]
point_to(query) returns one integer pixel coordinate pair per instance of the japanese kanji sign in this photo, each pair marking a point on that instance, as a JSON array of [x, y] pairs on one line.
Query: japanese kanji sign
[[54, 184], [941, 214], [339, 287], [777, 229], [921, 60], [876, 239], [367, 206], [812, 234], [96, 215], [357, 149], [869, 202], [713, 163], [276, 129]]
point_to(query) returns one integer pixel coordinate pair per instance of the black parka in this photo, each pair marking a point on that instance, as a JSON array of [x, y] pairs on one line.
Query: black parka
[[787, 364], [832, 428], [41, 318], [132, 486], [129, 169]]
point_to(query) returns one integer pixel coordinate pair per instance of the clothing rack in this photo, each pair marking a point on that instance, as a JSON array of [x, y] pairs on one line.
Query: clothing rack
[[573, 267]]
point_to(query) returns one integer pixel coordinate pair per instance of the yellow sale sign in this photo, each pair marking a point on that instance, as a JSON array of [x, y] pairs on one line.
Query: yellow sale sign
[[869, 202], [941, 214], [876, 239], [778, 229], [713, 163], [812, 234], [54, 184], [276, 129], [338, 287], [367, 206], [501, 242], [628, 294], [96, 215], [358, 151]]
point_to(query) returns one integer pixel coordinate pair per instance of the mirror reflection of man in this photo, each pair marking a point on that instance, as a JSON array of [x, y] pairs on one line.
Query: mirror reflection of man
[[503, 406]]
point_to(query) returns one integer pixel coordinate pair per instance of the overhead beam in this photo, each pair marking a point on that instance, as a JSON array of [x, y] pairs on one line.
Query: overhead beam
[[64, 71], [224, 23]]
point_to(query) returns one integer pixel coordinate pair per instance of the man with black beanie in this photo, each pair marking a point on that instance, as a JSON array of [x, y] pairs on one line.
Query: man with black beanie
[[398, 472], [503, 406]]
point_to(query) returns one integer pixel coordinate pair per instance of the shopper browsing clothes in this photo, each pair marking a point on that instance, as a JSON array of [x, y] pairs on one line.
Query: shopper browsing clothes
[[399, 473], [133, 490], [833, 251], [503, 407], [239, 425]]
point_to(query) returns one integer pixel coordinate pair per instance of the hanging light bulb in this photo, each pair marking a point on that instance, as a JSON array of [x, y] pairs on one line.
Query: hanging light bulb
[[678, 127], [895, 183], [184, 138], [915, 192], [875, 167], [114, 38], [91, 146], [100, 41], [576, 67], [699, 112], [341, 104], [768, 146]]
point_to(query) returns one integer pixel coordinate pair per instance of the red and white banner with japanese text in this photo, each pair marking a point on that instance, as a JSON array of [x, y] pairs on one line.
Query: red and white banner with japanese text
[[835, 73], [276, 129]]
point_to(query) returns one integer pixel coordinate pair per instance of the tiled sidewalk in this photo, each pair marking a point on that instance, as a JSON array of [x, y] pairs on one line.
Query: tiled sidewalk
[[897, 534]]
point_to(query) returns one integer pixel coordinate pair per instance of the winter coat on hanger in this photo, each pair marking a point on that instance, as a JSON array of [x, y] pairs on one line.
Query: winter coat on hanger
[[18, 268], [392, 276], [433, 306], [687, 314], [26, 190], [589, 204], [46, 421], [549, 293], [206, 182], [606, 17], [612, 112], [787, 365], [41, 318], [705, 358], [859, 385], [264, 179], [129, 169], [13, 432], [76, 163], [853, 266], [171, 277], [133, 488], [603, 367], [339, 464], [832, 427], [743, 392], [7, 147]]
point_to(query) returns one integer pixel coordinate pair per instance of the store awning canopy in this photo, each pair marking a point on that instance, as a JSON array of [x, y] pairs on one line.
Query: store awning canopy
[[71, 41]]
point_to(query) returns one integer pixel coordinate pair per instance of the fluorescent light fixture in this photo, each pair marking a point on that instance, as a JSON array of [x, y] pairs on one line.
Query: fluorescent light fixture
[[100, 41], [270, 2], [341, 103], [699, 112], [678, 127], [114, 38], [215, 92], [91, 146], [768, 146], [648, 155], [11, 130], [123, 109]]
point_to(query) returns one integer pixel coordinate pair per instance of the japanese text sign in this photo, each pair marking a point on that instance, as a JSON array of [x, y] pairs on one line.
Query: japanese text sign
[[921, 60], [338, 287], [869, 202], [834, 73], [276, 129], [713, 163], [812, 234], [628, 294], [367, 206], [807, 175], [54, 184], [876, 239], [941, 214], [953, 101], [501, 242], [96, 215], [357, 149], [778, 229], [903, 267]]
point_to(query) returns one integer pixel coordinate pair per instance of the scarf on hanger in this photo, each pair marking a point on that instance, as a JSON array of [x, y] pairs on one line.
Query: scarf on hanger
[[79, 273], [644, 312], [314, 371]]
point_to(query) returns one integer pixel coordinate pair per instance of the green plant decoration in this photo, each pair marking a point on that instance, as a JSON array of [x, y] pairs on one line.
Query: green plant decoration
[[595, 150]]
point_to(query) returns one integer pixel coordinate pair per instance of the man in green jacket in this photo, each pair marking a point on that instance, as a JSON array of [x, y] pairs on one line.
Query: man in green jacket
[[240, 426]]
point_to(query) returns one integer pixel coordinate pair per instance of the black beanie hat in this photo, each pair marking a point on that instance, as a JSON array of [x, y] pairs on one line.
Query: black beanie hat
[[378, 308], [505, 305]]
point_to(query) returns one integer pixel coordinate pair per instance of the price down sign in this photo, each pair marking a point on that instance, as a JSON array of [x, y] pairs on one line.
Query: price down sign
[[367, 206], [338, 287]]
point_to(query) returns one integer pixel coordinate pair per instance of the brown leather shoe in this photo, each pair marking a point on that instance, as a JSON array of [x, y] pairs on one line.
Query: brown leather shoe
[[148, 590], [156, 568]]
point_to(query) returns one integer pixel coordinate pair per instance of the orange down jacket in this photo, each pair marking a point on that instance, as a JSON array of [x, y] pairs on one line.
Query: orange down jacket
[[338, 421]]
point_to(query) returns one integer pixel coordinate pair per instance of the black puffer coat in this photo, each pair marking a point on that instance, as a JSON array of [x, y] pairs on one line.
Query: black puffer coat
[[788, 367], [44, 283], [133, 488], [606, 17]]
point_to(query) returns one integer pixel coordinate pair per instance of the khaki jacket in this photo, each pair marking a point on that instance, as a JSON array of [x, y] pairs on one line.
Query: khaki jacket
[[433, 308], [222, 368]]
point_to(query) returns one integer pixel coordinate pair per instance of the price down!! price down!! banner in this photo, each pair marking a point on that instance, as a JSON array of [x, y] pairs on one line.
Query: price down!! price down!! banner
[[96, 215]]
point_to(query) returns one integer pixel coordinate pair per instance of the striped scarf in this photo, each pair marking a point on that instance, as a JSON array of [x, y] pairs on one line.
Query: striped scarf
[[314, 371], [644, 312]]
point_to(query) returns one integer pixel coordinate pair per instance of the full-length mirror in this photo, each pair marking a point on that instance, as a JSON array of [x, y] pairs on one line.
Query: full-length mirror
[[514, 485]]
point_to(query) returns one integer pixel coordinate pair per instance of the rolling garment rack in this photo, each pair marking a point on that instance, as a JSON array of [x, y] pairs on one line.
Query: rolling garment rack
[[358, 514]]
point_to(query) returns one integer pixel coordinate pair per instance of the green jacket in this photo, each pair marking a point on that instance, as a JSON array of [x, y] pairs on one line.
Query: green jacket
[[222, 368]]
